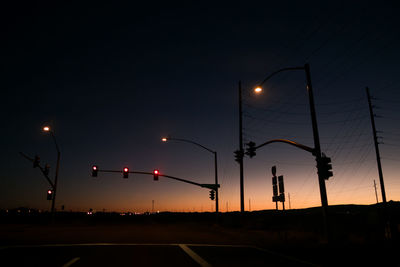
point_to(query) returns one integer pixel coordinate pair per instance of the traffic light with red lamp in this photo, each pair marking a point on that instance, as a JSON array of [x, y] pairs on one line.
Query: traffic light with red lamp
[[125, 172], [155, 175], [95, 169], [49, 194]]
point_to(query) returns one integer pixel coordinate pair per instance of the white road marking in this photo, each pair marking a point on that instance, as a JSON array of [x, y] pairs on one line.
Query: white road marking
[[194, 256], [71, 262]]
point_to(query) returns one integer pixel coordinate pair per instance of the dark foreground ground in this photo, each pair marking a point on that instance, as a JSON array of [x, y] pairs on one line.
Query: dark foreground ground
[[359, 236]]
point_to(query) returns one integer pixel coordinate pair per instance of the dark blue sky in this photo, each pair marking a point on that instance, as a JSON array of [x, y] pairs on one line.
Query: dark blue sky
[[114, 78]]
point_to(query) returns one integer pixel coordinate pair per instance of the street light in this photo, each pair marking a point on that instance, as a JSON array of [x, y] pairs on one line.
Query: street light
[[47, 129], [317, 147], [165, 139], [258, 89]]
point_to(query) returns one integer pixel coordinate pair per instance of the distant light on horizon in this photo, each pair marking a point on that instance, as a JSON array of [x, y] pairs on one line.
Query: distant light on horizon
[[46, 128], [164, 139]]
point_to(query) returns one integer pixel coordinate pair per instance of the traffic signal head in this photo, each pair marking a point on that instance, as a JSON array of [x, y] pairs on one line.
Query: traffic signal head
[[125, 172], [251, 149], [212, 194], [46, 169], [238, 156], [155, 175], [36, 161], [274, 186], [95, 169], [325, 167], [49, 194]]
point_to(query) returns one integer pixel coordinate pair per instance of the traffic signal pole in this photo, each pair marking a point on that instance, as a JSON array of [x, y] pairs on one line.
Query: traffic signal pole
[[216, 182], [317, 153], [215, 164]]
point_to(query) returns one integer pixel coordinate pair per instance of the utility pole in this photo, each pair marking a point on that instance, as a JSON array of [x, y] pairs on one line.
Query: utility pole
[[249, 205], [216, 183], [289, 201], [378, 157], [152, 206], [241, 149], [227, 206], [376, 193]]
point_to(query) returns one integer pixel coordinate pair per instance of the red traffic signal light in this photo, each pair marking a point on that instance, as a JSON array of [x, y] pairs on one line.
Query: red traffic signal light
[[155, 175], [94, 171], [49, 194], [125, 172]]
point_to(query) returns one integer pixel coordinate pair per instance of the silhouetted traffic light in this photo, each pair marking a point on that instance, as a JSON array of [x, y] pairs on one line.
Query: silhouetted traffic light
[[251, 149], [49, 194], [238, 155], [36, 161], [212, 194], [281, 186], [46, 169], [155, 175], [125, 172], [274, 189], [95, 169], [325, 167]]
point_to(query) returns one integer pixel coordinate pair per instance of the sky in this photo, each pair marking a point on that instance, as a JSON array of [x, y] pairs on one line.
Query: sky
[[113, 78]]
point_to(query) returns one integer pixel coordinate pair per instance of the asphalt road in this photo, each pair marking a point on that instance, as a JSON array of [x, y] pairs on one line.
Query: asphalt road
[[113, 254]]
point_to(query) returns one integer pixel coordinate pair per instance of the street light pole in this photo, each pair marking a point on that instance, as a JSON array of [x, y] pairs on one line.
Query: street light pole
[[165, 139], [47, 129], [241, 151], [56, 176], [317, 147]]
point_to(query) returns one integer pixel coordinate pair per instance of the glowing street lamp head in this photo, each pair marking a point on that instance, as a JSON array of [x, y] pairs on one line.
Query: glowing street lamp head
[[46, 129], [258, 89], [164, 139]]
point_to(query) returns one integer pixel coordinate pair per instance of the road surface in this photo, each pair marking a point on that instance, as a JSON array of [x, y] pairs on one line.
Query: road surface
[[114, 254]]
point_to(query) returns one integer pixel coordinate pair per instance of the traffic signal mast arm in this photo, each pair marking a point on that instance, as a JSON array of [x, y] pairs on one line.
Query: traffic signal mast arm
[[210, 186], [304, 147], [41, 169]]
